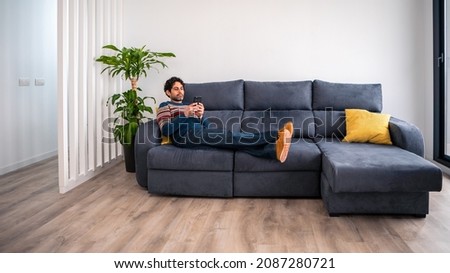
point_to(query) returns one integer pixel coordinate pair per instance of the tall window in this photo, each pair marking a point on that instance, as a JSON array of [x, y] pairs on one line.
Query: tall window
[[441, 34]]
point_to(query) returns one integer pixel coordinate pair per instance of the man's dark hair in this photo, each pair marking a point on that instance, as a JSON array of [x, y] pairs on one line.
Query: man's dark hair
[[170, 82]]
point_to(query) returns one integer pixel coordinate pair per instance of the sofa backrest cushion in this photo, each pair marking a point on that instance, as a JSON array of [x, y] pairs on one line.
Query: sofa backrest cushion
[[273, 120], [223, 101], [268, 105], [228, 95], [229, 119], [331, 99], [278, 95], [341, 96]]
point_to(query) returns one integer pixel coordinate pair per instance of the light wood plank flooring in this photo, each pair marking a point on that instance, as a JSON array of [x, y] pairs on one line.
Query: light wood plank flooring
[[111, 213]]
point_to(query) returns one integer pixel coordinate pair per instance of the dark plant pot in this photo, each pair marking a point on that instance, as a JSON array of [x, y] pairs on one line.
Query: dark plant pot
[[128, 154]]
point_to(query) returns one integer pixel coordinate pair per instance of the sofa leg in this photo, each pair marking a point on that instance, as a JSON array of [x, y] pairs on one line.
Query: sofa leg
[[420, 215]]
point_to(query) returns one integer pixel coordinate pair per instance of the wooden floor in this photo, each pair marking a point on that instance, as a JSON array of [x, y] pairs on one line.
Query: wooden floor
[[111, 213]]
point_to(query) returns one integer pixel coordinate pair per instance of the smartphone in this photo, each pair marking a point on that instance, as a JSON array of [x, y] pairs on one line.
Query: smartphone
[[197, 99]]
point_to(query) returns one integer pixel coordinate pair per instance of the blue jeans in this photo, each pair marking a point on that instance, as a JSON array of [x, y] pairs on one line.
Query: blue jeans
[[257, 144]]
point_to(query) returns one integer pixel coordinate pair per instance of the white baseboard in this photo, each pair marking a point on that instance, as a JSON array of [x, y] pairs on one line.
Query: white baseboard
[[26, 162]]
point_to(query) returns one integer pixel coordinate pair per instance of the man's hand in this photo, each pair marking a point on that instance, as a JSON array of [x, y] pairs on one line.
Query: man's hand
[[195, 109], [199, 109]]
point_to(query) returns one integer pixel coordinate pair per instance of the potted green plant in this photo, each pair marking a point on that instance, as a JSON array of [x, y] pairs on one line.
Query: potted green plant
[[130, 64]]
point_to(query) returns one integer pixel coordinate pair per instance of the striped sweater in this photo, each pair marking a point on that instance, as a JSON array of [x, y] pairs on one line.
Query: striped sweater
[[171, 118]]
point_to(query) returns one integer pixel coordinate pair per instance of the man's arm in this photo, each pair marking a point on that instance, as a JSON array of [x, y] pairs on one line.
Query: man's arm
[[169, 117]]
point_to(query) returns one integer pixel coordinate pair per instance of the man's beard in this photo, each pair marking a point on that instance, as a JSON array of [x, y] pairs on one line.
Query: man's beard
[[177, 99]]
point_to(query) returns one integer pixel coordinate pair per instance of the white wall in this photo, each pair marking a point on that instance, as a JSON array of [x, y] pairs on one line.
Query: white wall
[[428, 78], [385, 41], [28, 113], [382, 41]]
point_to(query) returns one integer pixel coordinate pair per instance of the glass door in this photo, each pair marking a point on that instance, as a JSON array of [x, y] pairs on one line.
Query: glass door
[[443, 60], [441, 48]]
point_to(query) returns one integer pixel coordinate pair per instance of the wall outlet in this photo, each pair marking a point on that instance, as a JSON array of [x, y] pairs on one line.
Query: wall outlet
[[24, 82], [39, 82]]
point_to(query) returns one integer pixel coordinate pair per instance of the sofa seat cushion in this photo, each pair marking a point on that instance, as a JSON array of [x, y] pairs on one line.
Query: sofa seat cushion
[[169, 157], [304, 155], [365, 167]]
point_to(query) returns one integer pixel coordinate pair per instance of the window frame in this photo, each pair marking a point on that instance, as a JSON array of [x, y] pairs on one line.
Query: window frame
[[439, 83]]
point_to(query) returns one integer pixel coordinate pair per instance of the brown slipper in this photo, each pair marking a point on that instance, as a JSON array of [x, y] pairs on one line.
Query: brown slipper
[[288, 126], [283, 144]]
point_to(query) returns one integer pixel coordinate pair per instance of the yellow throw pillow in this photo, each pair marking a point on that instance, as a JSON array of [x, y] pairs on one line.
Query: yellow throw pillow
[[166, 140], [364, 126]]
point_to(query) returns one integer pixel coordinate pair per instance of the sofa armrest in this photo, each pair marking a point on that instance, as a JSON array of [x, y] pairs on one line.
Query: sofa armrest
[[148, 136], [406, 136]]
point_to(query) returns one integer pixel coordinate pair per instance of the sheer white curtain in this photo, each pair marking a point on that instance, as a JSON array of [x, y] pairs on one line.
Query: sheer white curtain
[[85, 147]]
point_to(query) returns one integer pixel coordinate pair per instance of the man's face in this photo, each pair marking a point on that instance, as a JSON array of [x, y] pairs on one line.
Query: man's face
[[176, 94]]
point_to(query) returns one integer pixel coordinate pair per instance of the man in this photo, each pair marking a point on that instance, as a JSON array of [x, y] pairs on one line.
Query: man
[[185, 126]]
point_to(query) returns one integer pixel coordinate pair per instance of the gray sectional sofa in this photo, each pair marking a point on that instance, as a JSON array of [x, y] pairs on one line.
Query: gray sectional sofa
[[351, 178]]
